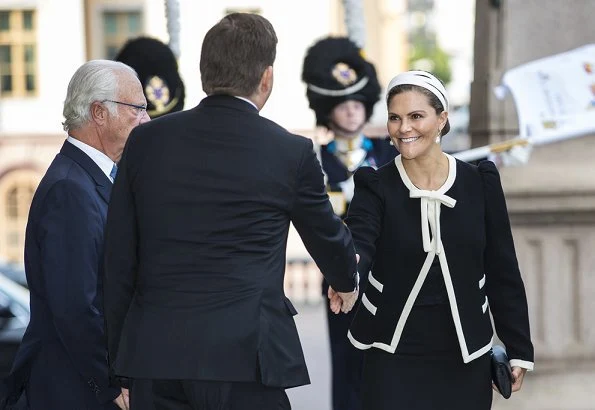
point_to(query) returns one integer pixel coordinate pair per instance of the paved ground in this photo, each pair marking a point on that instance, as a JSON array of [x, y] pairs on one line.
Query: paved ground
[[571, 389], [311, 323]]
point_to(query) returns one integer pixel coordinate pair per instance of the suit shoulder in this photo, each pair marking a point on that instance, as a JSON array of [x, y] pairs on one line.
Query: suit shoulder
[[172, 120], [366, 176], [467, 170], [466, 165], [285, 135], [70, 180], [62, 168], [60, 185]]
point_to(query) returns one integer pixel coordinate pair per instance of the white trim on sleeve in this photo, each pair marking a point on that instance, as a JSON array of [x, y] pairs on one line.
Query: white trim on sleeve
[[374, 282], [522, 363], [366, 302]]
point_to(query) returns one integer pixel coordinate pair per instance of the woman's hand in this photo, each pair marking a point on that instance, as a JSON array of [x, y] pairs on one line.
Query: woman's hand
[[342, 302], [518, 374]]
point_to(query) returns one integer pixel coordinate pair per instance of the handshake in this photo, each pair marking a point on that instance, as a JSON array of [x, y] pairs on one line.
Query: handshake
[[343, 302]]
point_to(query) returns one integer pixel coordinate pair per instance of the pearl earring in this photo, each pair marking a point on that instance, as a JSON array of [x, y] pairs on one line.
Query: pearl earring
[[438, 137], [391, 142]]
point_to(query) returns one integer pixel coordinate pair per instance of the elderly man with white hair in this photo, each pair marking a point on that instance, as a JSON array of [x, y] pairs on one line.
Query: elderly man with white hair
[[62, 361]]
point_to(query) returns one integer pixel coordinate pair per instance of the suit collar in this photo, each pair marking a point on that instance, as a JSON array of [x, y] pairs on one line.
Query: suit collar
[[104, 185], [229, 101]]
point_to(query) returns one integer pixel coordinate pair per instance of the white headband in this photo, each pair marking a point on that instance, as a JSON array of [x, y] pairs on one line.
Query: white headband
[[422, 79]]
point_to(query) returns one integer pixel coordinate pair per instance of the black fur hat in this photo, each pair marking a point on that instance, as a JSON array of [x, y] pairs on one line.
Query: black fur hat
[[335, 71], [157, 70]]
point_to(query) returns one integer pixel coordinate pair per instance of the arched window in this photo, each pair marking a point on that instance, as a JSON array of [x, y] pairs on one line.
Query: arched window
[[16, 192]]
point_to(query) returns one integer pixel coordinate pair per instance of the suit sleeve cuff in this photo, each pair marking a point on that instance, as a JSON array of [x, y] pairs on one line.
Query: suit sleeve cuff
[[522, 364]]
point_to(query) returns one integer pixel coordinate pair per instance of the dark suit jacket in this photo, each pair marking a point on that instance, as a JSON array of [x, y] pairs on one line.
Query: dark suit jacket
[[62, 359], [195, 252]]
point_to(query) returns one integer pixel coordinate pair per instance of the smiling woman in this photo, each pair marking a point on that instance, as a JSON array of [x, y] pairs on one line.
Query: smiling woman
[[434, 235]]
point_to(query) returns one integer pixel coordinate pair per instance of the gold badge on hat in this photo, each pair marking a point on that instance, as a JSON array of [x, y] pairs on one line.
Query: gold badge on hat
[[344, 74], [158, 94]]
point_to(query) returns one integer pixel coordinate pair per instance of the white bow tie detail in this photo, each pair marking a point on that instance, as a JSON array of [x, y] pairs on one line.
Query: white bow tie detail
[[430, 216]]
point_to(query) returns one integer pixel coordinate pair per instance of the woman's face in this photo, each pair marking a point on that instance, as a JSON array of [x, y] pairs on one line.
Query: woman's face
[[413, 124], [349, 117]]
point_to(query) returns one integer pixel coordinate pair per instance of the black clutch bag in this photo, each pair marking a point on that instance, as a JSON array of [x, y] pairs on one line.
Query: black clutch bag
[[501, 371]]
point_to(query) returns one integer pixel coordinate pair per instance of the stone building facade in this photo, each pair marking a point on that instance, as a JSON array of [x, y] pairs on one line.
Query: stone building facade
[[551, 199]]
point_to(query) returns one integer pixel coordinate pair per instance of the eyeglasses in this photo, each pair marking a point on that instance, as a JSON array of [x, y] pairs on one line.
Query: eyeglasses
[[139, 108]]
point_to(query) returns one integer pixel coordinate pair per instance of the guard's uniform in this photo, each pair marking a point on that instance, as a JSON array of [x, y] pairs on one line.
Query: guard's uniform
[[334, 72], [339, 168]]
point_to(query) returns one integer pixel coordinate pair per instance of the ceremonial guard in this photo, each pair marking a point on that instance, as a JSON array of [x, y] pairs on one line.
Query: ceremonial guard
[[342, 88]]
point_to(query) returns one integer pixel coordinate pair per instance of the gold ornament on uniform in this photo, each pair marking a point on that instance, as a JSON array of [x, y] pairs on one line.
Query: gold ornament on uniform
[[344, 74]]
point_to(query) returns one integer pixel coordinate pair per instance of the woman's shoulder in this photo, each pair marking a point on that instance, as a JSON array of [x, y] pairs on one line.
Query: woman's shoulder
[[485, 173], [366, 175], [485, 169]]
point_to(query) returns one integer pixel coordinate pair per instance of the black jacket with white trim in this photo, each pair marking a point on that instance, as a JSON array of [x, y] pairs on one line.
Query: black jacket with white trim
[[465, 224]]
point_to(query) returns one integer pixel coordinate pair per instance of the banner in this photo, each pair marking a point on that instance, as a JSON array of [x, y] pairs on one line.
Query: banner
[[554, 96]]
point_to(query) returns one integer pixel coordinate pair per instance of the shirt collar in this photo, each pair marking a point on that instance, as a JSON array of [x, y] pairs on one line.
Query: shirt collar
[[247, 100], [103, 161]]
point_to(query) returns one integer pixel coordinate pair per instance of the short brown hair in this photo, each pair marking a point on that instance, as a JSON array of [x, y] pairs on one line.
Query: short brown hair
[[235, 53]]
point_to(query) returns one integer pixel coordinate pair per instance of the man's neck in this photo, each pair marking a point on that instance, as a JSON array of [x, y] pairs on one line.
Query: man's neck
[[90, 137]]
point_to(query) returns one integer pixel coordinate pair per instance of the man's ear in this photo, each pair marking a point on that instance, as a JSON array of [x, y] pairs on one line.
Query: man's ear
[[266, 81], [99, 113]]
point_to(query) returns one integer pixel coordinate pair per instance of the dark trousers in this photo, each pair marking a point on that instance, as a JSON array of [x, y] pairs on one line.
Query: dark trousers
[[208, 395], [347, 363]]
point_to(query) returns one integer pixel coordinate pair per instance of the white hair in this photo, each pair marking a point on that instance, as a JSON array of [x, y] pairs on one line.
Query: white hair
[[96, 80]]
